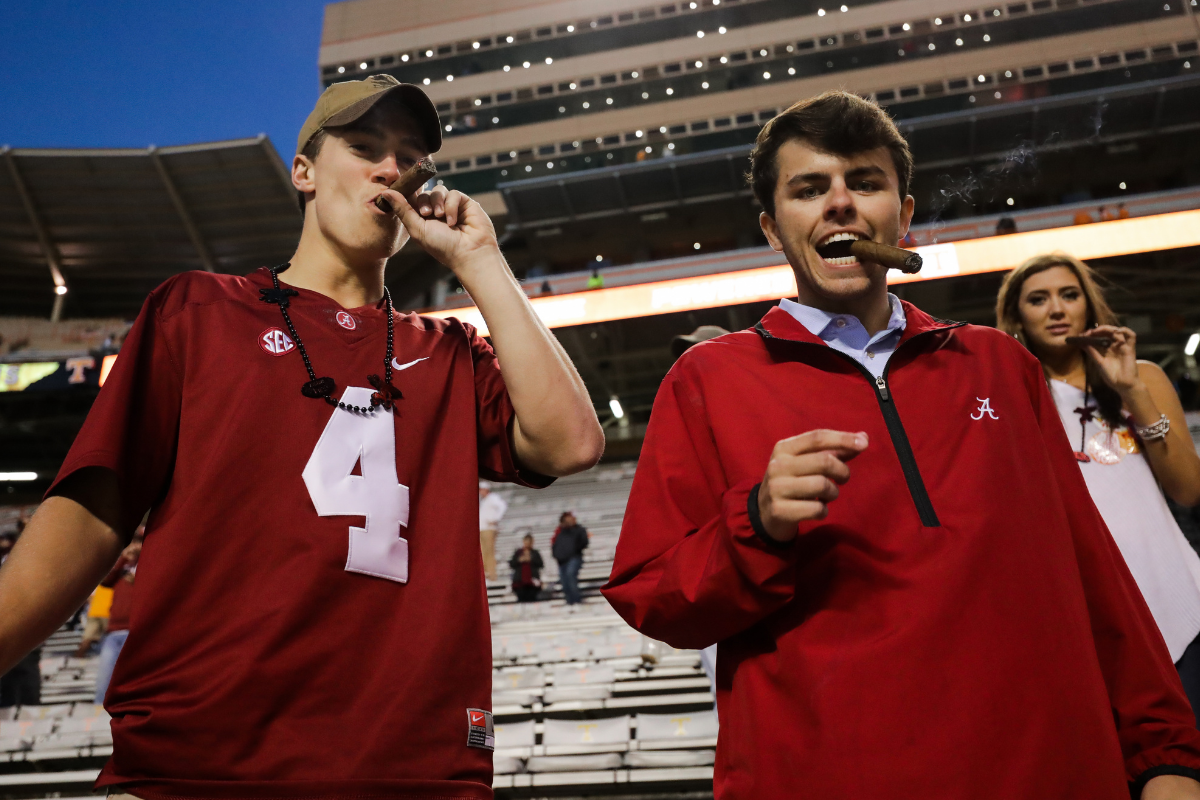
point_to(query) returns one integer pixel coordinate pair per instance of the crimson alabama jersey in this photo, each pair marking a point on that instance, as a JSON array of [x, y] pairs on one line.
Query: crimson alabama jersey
[[310, 618]]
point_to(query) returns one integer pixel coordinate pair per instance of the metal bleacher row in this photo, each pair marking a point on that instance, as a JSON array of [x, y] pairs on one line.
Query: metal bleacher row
[[583, 703]]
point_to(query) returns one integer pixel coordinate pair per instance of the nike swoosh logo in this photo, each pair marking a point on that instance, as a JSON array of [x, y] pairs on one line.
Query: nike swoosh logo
[[396, 365]]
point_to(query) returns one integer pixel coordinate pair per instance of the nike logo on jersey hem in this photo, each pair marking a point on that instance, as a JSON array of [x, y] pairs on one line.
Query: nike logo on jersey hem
[[396, 365]]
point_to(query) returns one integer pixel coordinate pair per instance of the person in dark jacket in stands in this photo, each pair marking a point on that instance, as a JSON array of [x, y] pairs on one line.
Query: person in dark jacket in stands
[[570, 540], [527, 566]]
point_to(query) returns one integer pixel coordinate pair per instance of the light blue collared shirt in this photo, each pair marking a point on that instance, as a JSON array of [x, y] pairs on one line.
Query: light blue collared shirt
[[844, 333]]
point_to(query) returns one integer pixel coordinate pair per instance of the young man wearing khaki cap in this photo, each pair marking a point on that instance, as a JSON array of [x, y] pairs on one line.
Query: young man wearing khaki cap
[[310, 618]]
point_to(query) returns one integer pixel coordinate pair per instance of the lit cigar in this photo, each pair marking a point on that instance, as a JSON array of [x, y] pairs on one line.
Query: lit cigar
[[890, 257], [412, 179]]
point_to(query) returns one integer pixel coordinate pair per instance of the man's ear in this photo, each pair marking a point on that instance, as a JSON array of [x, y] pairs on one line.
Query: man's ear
[[906, 214], [302, 174], [771, 231]]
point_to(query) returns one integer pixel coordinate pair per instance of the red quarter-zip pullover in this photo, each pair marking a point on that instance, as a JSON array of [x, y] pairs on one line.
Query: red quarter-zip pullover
[[961, 624]]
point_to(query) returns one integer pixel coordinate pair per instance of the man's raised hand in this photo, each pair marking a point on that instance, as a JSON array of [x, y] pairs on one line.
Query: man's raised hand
[[449, 225], [803, 477]]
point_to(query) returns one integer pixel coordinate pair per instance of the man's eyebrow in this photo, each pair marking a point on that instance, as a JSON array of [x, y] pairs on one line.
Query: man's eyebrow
[[807, 177], [865, 170]]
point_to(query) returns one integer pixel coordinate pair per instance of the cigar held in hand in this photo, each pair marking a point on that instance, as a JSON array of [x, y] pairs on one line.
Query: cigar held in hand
[[413, 178]]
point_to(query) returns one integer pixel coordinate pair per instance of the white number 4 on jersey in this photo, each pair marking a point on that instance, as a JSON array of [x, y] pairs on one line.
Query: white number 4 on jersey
[[377, 494]]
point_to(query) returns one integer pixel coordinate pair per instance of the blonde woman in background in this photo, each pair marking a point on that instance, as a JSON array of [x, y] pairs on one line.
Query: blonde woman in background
[[1126, 425]]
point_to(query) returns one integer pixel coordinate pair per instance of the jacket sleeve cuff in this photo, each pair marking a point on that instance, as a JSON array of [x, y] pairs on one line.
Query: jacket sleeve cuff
[[756, 521], [1136, 787]]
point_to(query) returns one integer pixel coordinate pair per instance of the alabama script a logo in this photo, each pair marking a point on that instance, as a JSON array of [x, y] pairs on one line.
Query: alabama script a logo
[[985, 407], [275, 342]]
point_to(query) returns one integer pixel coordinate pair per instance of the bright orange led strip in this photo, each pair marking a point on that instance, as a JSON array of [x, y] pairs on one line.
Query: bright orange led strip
[[967, 257]]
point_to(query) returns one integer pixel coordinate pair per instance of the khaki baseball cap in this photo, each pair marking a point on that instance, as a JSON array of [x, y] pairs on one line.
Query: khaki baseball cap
[[343, 103]]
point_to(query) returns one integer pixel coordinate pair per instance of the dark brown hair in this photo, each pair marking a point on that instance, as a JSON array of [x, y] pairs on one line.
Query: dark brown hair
[[840, 123], [1008, 319]]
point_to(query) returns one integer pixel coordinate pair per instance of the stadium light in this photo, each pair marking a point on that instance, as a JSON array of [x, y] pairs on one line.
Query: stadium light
[[60, 290], [820, 12], [479, 102], [509, 40], [507, 67], [906, 27], [695, 245], [404, 57], [525, 64], [966, 17], [704, 85], [362, 65], [633, 74], [450, 77], [573, 87], [1122, 185], [721, 29], [32, 476], [614, 405], [426, 81], [699, 34], [549, 60], [429, 54], [670, 90], [937, 20], [341, 70], [474, 45], [570, 29], [1192, 343]]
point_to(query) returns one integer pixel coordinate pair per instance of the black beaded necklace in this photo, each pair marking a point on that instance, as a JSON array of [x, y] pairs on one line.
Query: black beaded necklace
[[322, 388]]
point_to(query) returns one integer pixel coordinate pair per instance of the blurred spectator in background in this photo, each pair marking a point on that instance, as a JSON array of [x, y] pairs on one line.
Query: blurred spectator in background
[[21, 685], [567, 546], [680, 344], [1122, 211], [7, 540], [120, 580], [1107, 214], [527, 566], [1126, 420], [909, 240], [1082, 217], [596, 281], [1005, 226], [96, 623], [491, 511], [546, 288]]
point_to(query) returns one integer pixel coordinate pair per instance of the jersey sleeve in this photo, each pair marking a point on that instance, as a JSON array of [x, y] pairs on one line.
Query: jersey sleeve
[[1155, 723], [690, 568], [132, 427], [494, 417]]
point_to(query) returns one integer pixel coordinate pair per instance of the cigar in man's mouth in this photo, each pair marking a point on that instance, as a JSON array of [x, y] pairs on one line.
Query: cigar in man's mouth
[[413, 178]]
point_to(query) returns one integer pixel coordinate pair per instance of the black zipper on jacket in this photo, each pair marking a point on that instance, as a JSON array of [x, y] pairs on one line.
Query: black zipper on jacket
[[891, 418]]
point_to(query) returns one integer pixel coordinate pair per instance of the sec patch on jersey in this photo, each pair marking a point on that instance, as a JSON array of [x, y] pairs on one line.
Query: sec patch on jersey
[[275, 342]]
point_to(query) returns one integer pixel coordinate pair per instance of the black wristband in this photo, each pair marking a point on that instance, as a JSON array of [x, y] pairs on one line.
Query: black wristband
[[756, 520], [1135, 788]]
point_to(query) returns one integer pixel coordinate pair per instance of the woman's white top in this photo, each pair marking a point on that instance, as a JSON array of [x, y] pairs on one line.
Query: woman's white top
[[1165, 566]]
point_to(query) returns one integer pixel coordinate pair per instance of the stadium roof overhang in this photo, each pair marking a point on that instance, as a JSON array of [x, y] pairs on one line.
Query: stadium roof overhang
[[88, 233]]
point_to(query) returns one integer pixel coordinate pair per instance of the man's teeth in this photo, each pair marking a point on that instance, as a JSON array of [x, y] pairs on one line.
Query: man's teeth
[[842, 262], [841, 237]]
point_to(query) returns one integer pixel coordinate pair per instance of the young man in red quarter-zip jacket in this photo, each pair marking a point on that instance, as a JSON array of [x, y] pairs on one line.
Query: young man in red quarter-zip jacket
[[878, 517]]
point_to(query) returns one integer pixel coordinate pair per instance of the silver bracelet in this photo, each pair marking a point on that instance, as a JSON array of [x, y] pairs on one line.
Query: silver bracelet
[[1154, 431]]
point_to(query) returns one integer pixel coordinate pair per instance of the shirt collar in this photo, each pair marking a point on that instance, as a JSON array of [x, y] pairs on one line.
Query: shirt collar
[[822, 324]]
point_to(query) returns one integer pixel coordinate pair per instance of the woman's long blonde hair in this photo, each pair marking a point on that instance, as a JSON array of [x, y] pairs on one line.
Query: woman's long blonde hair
[[1008, 319]]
